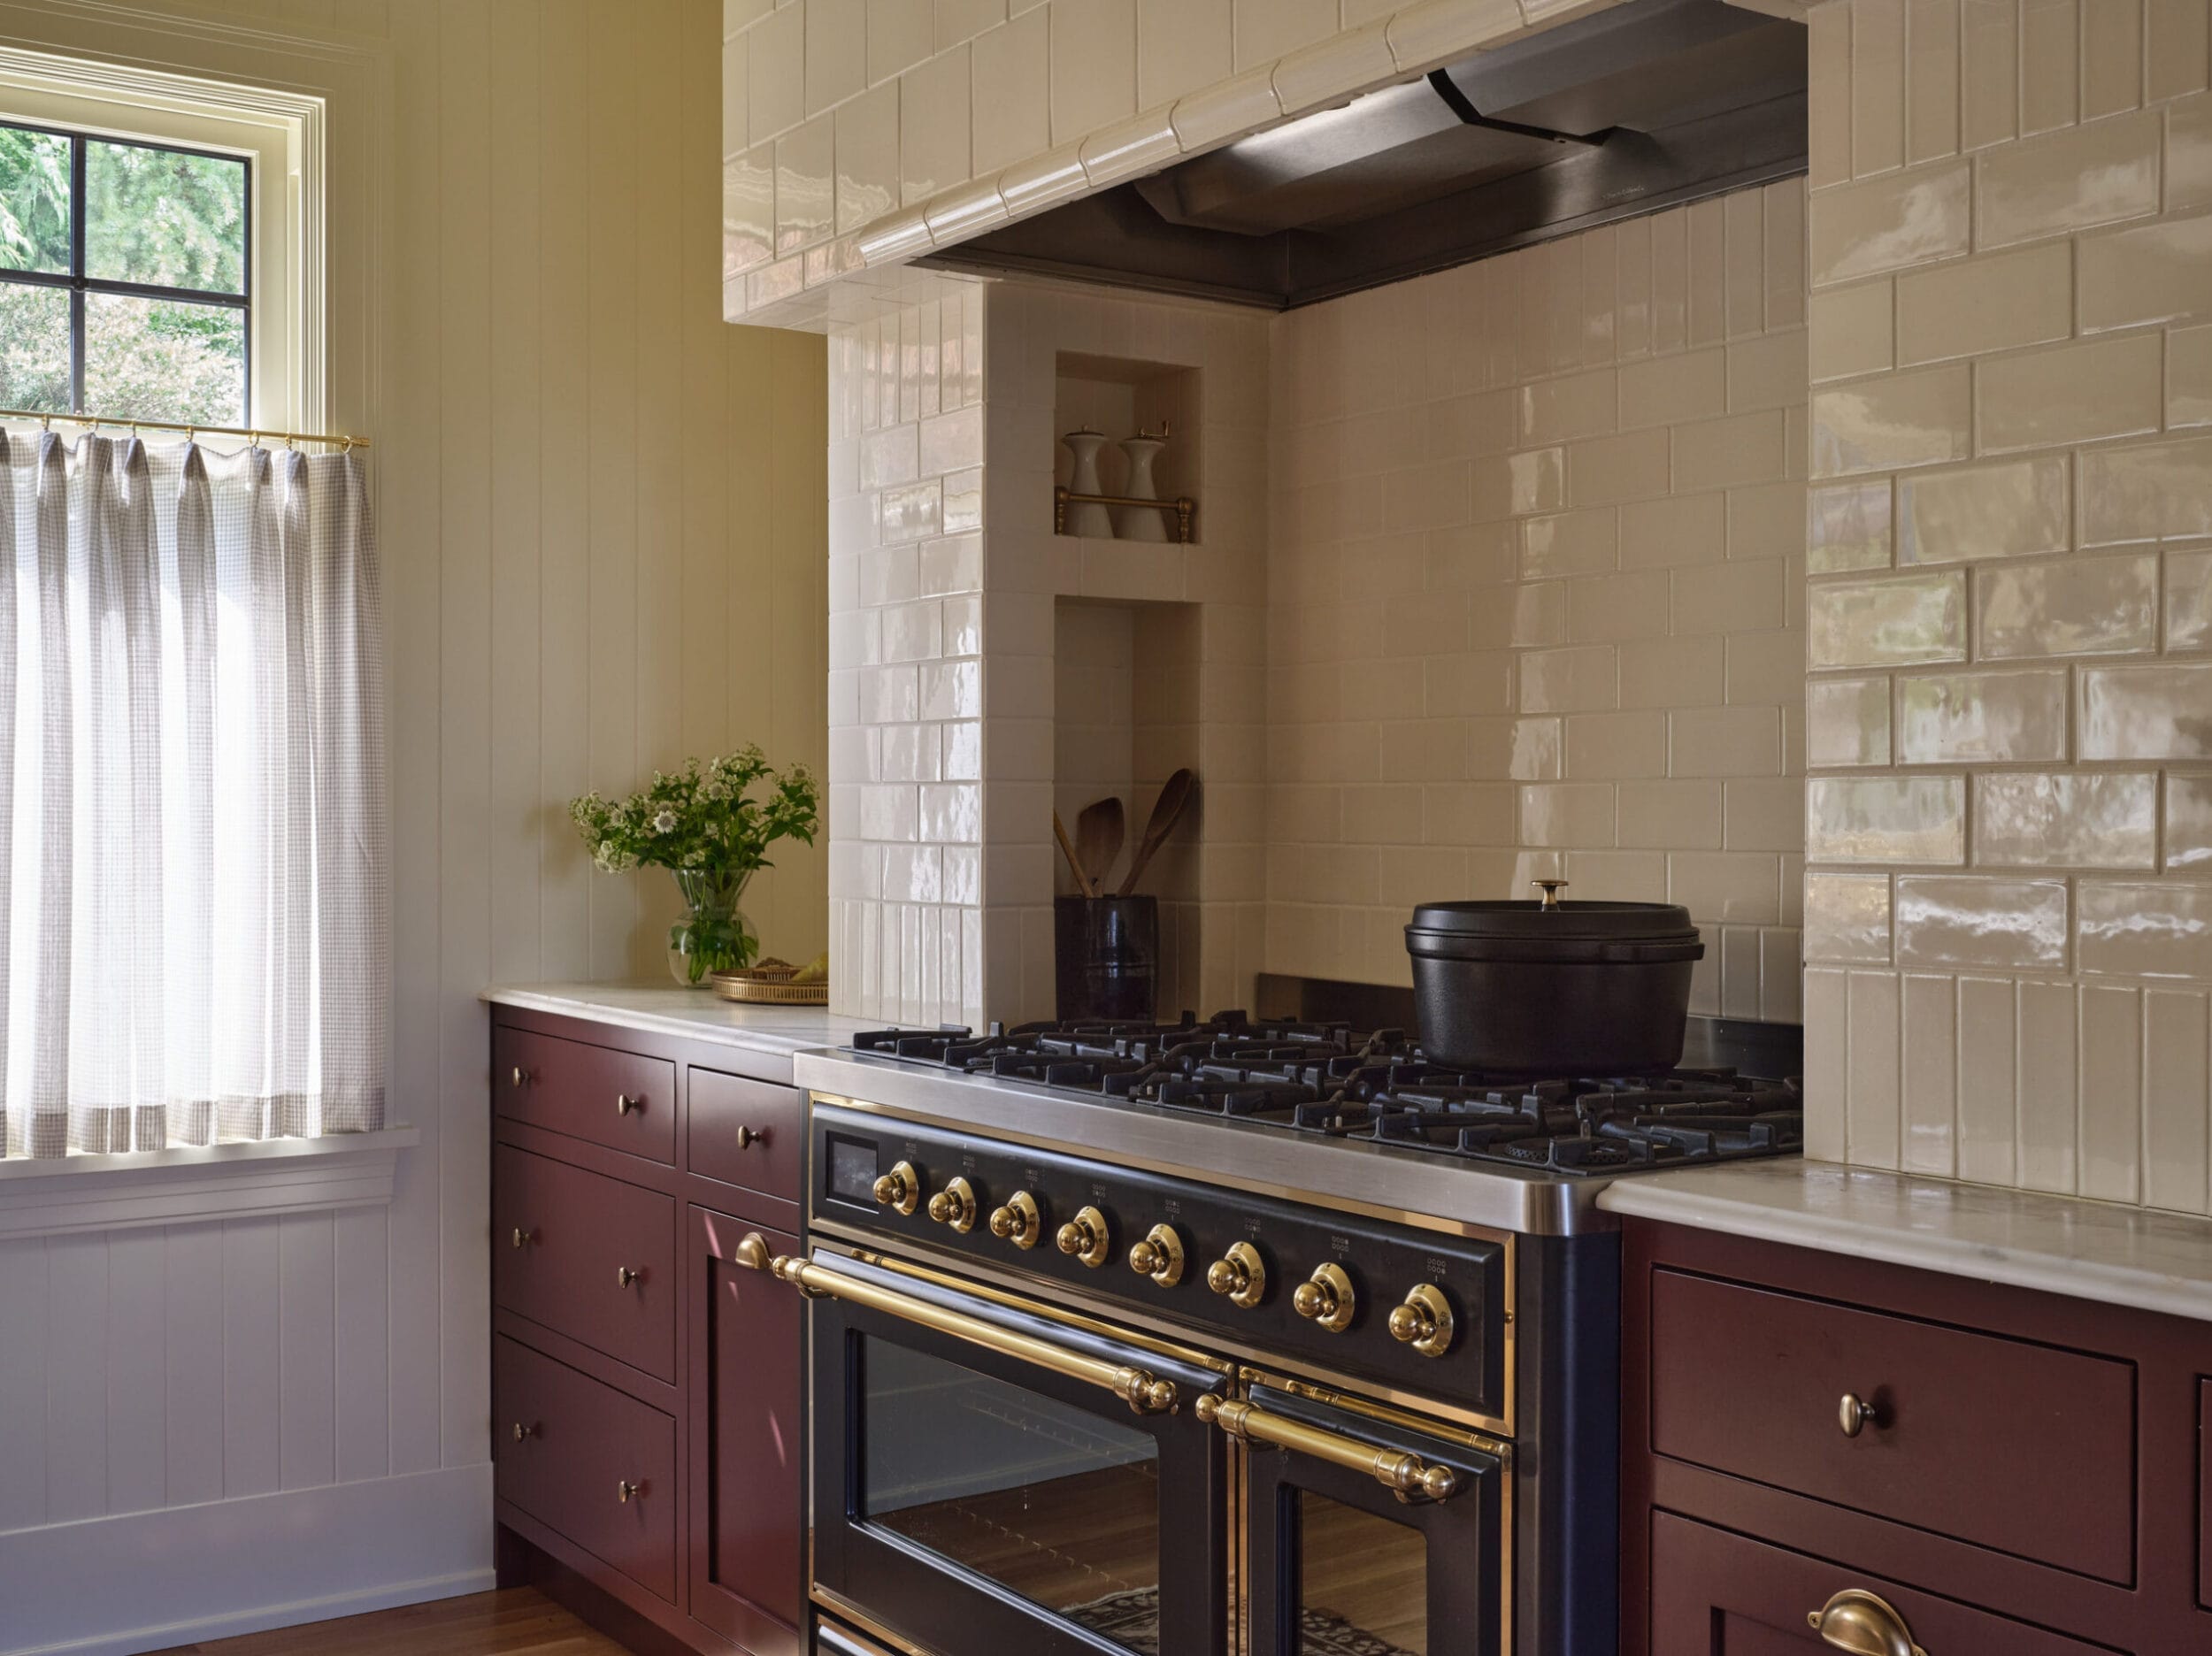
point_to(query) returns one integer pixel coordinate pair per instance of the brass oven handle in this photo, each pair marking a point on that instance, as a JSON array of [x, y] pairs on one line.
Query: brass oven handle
[[1141, 1391], [1855, 1621], [1406, 1476]]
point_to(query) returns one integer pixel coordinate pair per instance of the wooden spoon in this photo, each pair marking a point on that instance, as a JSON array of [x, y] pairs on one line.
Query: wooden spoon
[[1098, 836], [1167, 810], [1075, 863]]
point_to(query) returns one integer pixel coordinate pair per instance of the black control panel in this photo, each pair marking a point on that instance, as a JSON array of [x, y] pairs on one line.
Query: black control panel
[[1416, 1309]]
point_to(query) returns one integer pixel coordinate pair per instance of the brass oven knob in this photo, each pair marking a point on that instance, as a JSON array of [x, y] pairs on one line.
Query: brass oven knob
[[1327, 1298], [1018, 1222], [1857, 1621], [1159, 1256], [1424, 1321], [1240, 1275], [955, 1205], [1087, 1238], [901, 1189]]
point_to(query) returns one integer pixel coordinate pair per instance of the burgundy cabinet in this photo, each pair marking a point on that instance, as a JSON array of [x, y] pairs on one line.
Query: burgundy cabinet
[[743, 1399], [596, 1466], [1717, 1594], [589, 1256], [1990, 1469], [623, 1100], [746, 1132]]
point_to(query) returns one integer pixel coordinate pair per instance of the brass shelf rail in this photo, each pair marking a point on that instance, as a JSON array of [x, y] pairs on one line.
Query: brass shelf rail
[[1184, 508]]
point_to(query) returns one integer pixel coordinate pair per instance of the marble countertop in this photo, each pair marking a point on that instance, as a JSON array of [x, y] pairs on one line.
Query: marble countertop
[[697, 1014], [2093, 1250]]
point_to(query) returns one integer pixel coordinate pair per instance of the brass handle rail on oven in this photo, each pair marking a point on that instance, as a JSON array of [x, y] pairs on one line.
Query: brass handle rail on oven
[[1143, 1392], [1407, 1476]]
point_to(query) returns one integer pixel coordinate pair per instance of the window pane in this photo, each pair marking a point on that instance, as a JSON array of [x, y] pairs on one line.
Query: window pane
[[33, 201], [164, 359], [157, 217], [34, 351]]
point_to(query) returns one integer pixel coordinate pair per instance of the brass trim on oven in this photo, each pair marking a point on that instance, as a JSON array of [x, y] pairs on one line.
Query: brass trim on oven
[[1138, 1325], [1144, 1393]]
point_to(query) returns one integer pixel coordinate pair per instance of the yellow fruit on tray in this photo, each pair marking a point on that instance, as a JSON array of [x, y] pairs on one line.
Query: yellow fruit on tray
[[816, 970]]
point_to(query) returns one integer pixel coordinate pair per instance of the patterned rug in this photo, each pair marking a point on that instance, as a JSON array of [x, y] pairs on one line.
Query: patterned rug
[[1133, 1619]]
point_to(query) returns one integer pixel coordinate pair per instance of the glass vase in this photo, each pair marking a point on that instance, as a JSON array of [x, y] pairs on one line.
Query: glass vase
[[714, 935]]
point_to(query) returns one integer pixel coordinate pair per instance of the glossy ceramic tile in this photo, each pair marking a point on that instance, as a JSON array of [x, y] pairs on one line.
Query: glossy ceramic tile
[[1977, 923], [2149, 712], [2189, 823], [2072, 394], [1986, 304], [933, 123], [2188, 615], [2009, 717], [1847, 528], [2075, 607], [2153, 273], [1847, 918], [1847, 722], [867, 158], [1093, 65], [2058, 819], [1890, 223], [1885, 819], [2095, 174], [2140, 929], [2003, 510], [1893, 621], [1011, 66], [1923, 418], [2189, 376], [2146, 492]]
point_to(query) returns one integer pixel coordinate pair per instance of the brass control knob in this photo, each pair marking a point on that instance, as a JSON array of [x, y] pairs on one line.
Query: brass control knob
[[1159, 1256], [1424, 1321], [1240, 1275], [1087, 1238], [1327, 1298], [955, 1205], [901, 1189], [1018, 1222]]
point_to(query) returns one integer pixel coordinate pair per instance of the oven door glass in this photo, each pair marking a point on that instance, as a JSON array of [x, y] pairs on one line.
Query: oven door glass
[[969, 1498], [1339, 1563]]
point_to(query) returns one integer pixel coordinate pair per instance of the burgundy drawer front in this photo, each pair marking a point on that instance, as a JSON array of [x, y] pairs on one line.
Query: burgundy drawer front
[[2204, 1493], [747, 1132], [615, 1098], [579, 1231], [1995, 1442], [579, 1443], [1714, 1593]]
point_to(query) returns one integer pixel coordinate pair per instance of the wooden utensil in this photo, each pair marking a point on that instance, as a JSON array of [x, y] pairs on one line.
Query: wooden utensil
[[1167, 810], [1098, 835], [1075, 863]]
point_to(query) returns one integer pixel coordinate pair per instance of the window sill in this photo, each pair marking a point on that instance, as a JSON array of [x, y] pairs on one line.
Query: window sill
[[188, 1185]]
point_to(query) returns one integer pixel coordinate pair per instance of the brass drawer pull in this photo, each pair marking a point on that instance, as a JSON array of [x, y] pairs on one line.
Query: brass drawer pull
[[624, 1104], [1857, 1621], [522, 1431], [624, 1490], [1854, 1414], [1407, 1476], [521, 1076], [747, 1137], [1140, 1389], [523, 1239], [753, 1252], [623, 1276]]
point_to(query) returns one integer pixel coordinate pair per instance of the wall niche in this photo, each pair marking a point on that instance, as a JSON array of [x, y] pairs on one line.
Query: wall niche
[[1120, 397]]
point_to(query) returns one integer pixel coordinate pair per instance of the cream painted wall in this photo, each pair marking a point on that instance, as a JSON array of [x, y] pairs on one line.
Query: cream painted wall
[[601, 515]]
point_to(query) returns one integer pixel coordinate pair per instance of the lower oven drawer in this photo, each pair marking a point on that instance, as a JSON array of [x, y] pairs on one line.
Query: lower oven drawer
[[585, 1460], [588, 1256]]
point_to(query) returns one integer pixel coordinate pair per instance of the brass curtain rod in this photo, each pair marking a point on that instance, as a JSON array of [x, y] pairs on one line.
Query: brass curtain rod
[[288, 439]]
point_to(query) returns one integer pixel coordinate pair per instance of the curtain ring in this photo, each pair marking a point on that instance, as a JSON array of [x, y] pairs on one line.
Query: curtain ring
[[347, 448]]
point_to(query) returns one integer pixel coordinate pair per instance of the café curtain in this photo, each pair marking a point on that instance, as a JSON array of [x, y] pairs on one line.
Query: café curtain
[[193, 878]]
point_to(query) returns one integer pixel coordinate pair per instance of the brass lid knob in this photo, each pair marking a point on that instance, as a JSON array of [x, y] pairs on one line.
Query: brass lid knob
[[1551, 888]]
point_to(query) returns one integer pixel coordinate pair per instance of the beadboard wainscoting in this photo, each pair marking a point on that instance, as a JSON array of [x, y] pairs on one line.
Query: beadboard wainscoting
[[2011, 337], [615, 562]]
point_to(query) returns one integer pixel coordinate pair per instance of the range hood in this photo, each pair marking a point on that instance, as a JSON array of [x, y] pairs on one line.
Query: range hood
[[1647, 105]]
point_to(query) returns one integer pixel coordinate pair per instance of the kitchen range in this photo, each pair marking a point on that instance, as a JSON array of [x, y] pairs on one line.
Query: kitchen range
[[1232, 1334]]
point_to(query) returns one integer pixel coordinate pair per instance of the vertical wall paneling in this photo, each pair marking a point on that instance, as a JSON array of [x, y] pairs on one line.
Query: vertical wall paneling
[[307, 1451], [137, 1403], [192, 1364], [361, 1290], [23, 1364], [253, 1356], [76, 1377]]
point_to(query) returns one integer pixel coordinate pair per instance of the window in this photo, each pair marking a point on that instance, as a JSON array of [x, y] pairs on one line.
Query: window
[[125, 278]]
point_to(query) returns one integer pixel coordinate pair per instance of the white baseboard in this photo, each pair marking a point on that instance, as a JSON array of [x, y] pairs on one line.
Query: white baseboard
[[148, 1581]]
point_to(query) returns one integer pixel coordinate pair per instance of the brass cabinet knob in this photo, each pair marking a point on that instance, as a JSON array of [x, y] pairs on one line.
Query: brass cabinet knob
[[523, 1239], [521, 1076], [901, 1189], [623, 1276], [522, 1431], [626, 1491], [1327, 1298], [1019, 1221], [624, 1104], [1423, 1320], [1858, 1621], [1159, 1256], [1854, 1414], [954, 1206], [1086, 1236], [752, 1251], [747, 1137], [1240, 1275]]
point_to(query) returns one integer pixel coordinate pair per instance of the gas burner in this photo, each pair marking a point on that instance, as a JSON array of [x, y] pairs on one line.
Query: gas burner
[[1332, 1082]]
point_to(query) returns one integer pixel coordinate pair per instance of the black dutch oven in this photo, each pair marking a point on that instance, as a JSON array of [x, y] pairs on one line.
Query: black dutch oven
[[1553, 988]]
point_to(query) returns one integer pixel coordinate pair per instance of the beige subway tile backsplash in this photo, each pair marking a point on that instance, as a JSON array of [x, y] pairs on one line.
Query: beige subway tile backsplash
[[2148, 712], [2140, 929], [2146, 492], [2003, 717], [2151, 273], [1923, 418], [2003, 510], [1885, 819], [1892, 222], [2065, 818], [1847, 528], [1977, 923], [2098, 173], [2076, 607], [1892, 621], [1983, 304], [2070, 394]]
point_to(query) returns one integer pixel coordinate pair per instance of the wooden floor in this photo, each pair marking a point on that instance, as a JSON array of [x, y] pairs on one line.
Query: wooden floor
[[519, 1621]]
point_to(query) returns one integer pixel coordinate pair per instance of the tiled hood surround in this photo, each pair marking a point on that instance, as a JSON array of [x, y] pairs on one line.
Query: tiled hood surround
[[1507, 568]]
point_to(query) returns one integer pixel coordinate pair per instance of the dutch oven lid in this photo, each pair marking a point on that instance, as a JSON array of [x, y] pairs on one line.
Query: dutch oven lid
[[1555, 920]]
